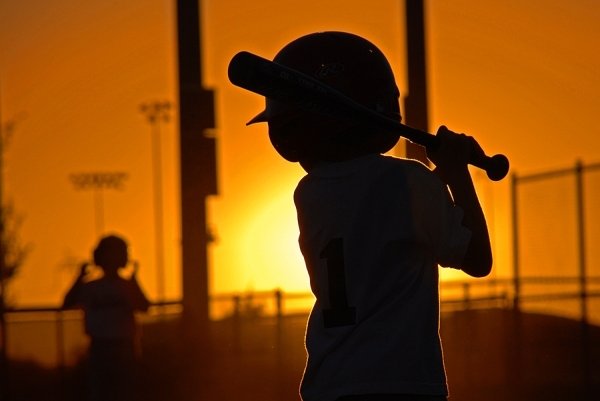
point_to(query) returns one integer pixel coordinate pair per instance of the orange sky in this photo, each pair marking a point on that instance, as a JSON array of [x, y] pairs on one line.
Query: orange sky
[[522, 77]]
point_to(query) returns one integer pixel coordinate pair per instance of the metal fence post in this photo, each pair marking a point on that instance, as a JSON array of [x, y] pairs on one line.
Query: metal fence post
[[580, 205], [515, 227], [466, 295], [60, 350]]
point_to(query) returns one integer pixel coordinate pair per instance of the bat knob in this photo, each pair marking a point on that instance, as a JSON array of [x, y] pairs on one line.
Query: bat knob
[[497, 167]]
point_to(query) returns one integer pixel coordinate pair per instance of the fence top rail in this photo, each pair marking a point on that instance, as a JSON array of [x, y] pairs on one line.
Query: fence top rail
[[58, 309], [260, 294], [303, 295], [522, 280], [555, 173]]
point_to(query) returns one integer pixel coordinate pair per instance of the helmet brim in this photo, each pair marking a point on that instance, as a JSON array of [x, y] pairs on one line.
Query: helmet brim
[[259, 118]]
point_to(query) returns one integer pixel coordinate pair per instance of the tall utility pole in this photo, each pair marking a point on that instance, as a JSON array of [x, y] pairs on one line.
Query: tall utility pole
[[415, 103], [157, 112], [198, 164]]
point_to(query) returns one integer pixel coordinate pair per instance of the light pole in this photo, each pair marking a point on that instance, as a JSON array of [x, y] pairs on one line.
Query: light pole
[[157, 112], [98, 182]]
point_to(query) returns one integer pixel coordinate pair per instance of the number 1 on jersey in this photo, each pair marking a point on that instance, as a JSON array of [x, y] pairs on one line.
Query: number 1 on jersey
[[339, 314]]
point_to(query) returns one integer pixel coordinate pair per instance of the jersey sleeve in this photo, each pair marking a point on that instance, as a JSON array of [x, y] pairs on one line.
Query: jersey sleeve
[[440, 219], [454, 238]]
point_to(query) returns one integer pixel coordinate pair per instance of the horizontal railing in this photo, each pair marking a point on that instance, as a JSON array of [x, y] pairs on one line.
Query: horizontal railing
[[455, 295], [501, 289]]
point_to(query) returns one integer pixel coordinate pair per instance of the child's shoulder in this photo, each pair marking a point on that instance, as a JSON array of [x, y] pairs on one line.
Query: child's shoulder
[[406, 166], [416, 174]]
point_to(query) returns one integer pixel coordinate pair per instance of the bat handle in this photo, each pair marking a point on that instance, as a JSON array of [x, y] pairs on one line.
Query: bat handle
[[496, 166]]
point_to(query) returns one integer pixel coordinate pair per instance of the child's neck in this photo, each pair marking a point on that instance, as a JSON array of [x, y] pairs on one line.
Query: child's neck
[[111, 274]]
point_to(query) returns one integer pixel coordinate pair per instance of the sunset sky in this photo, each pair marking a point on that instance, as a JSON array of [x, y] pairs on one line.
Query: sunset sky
[[521, 76]]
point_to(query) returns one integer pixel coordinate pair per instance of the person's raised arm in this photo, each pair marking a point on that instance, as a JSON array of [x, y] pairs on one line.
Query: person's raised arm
[[450, 160], [73, 297], [138, 298]]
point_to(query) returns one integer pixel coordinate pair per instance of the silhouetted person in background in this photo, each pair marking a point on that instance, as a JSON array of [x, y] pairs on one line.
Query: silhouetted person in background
[[373, 230], [109, 303]]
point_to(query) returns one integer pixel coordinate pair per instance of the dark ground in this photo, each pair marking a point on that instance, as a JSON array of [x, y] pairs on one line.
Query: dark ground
[[491, 355]]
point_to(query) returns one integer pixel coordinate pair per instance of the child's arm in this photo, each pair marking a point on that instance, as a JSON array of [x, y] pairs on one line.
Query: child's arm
[[451, 166], [73, 297], [138, 298]]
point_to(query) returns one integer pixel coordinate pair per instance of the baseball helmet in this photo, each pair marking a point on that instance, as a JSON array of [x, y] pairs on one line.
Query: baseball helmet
[[355, 67]]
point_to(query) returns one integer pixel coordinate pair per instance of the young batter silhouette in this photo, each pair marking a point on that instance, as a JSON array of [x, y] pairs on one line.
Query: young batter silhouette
[[109, 304], [373, 230]]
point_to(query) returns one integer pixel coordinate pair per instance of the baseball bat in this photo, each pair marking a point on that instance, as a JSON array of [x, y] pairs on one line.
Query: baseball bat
[[284, 84]]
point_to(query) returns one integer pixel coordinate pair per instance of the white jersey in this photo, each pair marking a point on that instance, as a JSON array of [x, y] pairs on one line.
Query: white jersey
[[373, 231]]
